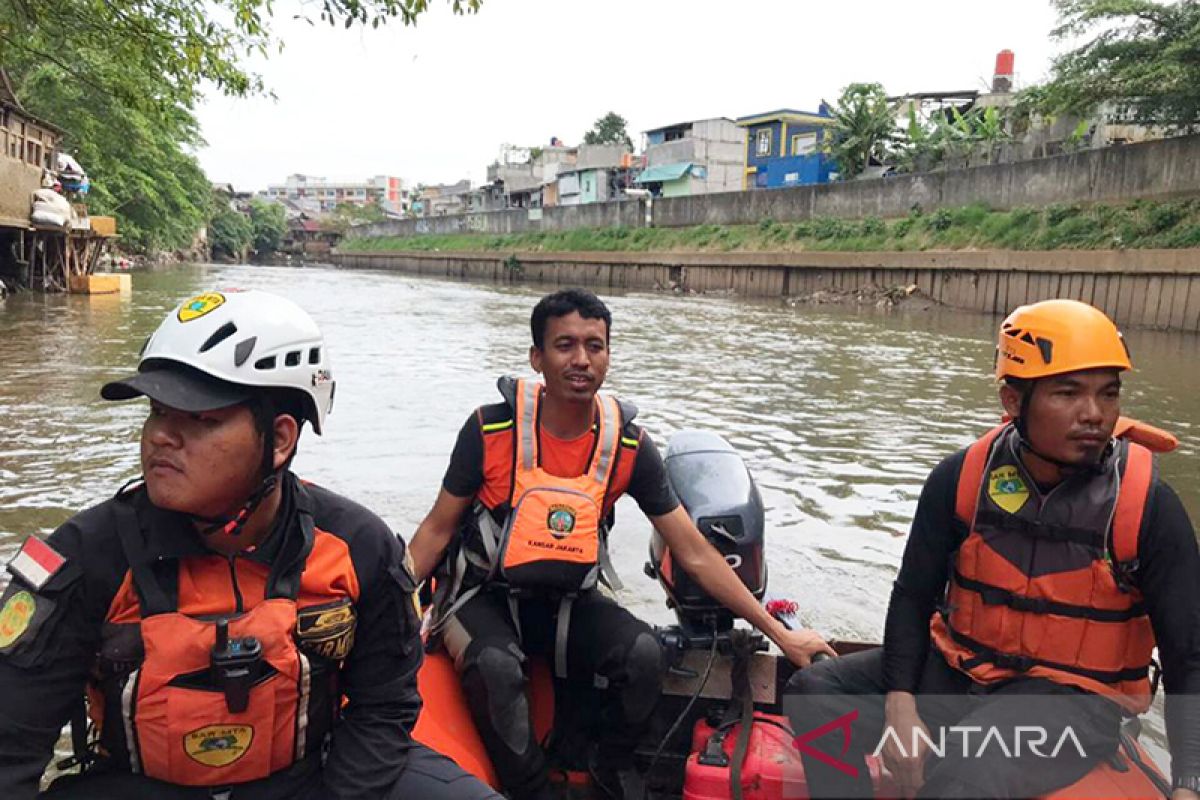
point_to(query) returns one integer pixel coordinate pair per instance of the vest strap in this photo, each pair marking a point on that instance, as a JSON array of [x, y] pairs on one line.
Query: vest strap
[[1039, 530], [608, 440], [151, 597], [608, 573], [998, 596], [526, 441], [970, 476], [561, 635], [1021, 663], [1134, 491]]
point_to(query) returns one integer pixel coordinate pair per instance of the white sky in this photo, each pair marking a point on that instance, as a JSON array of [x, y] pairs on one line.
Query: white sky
[[434, 103]]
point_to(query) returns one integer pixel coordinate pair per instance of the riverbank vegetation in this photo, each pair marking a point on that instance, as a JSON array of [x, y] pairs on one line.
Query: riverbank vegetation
[[123, 81], [234, 235], [1132, 61], [1140, 224]]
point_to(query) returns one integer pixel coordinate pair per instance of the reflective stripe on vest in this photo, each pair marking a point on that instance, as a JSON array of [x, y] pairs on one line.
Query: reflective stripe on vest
[[1039, 586], [553, 535]]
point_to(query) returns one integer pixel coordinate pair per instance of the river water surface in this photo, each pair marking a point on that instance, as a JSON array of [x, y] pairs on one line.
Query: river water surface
[[840, 413]]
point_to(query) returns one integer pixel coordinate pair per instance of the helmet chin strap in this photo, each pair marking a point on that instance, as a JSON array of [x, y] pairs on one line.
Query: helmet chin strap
[[234, 524]]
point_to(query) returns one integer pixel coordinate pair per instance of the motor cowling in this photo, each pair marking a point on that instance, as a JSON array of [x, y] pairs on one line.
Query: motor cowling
[[719, 494]]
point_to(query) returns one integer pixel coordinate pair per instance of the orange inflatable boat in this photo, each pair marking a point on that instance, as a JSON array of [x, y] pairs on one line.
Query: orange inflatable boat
[[691, 748]]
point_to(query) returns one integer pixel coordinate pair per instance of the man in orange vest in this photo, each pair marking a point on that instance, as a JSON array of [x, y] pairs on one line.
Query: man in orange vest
[[241, 634], [522, 521], [1044, 565]]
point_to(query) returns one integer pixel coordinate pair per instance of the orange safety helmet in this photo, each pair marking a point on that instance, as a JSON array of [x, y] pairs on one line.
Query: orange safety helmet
[[1057, 336]]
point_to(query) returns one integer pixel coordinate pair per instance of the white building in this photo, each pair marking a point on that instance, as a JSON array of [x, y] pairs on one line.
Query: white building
[[319, 195]]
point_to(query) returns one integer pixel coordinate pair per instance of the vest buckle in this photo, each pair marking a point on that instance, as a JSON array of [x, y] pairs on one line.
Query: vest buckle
[[1017, 663], [1032, 605], [1123, 572]]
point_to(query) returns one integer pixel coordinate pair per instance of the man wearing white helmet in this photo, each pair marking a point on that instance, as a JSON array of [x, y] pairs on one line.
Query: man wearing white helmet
[[240, 634]]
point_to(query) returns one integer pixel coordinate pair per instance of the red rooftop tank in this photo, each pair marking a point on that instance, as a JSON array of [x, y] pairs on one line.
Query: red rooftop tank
[[1002, 80], [1005, 60]]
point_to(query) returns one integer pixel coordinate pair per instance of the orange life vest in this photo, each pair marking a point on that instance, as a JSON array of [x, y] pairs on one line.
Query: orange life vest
[[1154, 439], [549, 536], [553, 535], [1040, 586], [166, 708]]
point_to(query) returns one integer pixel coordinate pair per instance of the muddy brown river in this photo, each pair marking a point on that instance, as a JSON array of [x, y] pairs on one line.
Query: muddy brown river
[[839, 412]]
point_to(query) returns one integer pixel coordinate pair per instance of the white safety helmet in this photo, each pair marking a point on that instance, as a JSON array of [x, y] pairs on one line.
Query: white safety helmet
[[245, 340]]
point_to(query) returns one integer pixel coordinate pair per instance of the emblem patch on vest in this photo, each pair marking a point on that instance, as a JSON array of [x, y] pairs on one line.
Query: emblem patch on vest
[[1007, 489], [15, 617], [200, 305], [218, 745], [560, 520]]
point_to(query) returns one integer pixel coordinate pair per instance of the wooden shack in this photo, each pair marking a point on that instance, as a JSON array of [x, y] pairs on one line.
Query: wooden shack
[[38, 256]]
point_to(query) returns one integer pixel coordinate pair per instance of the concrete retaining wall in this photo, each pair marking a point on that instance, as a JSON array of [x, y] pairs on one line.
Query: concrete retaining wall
[[625, 213], [1161, 169], [1145, 288]]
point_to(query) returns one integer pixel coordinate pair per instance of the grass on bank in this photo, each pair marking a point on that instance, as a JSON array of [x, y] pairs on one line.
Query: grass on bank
[[1138, 224]]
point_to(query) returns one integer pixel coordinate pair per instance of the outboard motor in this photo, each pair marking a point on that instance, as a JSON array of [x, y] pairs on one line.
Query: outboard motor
[[722, 499]]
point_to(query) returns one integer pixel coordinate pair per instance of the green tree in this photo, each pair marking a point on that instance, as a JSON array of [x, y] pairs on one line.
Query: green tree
[[268, 222], [230, 233], [609, 129], [1141, 56], [347, 215], [920, 147], [863, 130], [179, 42], [951, 138], [122, 79], [139, 157]]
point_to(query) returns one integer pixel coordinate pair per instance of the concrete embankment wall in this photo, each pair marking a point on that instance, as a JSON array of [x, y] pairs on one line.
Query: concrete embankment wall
[[1161, 169], [1145, 288], [620, 213]]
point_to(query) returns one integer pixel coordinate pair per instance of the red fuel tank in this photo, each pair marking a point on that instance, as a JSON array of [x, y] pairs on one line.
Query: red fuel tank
[[772, 769]]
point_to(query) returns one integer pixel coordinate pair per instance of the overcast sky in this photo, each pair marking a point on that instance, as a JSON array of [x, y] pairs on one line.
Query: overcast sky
[[434, 103]]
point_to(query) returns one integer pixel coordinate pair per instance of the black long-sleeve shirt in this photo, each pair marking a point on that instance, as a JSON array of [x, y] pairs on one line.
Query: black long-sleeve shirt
[[42, 679], [1168, 576]]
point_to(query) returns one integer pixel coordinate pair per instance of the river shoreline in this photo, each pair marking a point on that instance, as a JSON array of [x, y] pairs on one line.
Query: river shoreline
[[1157, 289]]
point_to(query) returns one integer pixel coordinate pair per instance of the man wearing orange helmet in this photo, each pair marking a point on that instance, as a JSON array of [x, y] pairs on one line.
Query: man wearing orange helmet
[[1045, 563]]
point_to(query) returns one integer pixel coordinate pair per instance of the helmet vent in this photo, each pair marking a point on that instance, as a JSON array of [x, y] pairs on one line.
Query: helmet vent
[[1027, 338], [219, 335], [292, 359], [314, 355], [265, 363], [1047, 349], [243, 350]]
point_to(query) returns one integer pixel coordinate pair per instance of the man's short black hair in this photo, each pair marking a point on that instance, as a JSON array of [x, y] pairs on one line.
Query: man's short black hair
[[563, 302]]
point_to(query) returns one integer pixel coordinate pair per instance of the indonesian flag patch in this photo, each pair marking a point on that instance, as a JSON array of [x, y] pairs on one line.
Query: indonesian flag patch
[[36, 563]]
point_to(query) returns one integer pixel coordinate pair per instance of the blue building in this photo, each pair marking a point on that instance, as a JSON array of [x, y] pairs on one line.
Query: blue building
[[783, 148]]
